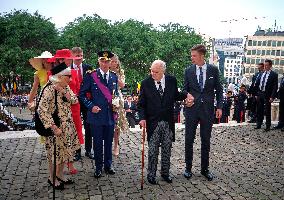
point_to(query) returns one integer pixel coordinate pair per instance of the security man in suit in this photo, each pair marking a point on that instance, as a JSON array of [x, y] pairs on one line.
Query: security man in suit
[[280, 96], [252, 91], [281, 106], [130, 109], [267, 90], [82, 68], [203, 83], [101, 84]]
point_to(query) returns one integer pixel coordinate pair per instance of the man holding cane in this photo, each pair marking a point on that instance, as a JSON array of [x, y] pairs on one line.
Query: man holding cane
[[158, 94]]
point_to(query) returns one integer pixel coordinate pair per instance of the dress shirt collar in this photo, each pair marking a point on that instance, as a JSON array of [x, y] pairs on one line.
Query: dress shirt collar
[[102, 72], [204, 66]]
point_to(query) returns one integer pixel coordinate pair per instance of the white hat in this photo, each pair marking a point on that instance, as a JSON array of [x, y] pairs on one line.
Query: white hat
[[36, 62], [45, 54]]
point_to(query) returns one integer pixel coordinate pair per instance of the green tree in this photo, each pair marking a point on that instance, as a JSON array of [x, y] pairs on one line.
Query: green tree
[[24, 35]]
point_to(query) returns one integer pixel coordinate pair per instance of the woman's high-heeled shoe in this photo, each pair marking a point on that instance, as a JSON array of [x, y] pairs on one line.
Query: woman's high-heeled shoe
[[71, 171], [67, 182], [57, 187]]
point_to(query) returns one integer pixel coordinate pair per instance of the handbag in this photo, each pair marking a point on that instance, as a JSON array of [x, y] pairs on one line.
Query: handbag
[[39, 127]]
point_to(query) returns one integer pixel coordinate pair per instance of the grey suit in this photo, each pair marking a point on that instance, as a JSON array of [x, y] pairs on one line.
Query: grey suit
[[202, 111]]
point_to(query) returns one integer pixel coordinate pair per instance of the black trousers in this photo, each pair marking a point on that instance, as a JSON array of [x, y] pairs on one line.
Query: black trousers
[[131, 120], [192, 117], [281, 112], [253, 108], [88, 136], [263, 108]]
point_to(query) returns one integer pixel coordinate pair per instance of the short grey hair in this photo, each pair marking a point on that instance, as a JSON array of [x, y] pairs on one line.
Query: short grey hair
[[161, 63]]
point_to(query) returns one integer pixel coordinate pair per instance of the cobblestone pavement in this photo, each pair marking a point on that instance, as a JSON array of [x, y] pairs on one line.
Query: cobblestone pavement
[[248, 164]]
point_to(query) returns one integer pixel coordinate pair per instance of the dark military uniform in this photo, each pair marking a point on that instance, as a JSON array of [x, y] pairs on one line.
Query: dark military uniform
[[101, 123]]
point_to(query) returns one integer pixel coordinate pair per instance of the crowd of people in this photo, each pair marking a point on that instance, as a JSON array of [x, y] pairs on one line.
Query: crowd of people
[[92, 98]]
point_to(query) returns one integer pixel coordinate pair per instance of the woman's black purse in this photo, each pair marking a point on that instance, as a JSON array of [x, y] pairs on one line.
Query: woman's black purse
[[39, 127]]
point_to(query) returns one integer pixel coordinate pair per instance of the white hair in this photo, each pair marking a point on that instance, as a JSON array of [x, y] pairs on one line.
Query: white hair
[[161, 63], [55, 77]]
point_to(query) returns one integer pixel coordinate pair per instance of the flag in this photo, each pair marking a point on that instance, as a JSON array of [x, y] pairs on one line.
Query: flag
[[3, 88], [138, 88], [15, 87]]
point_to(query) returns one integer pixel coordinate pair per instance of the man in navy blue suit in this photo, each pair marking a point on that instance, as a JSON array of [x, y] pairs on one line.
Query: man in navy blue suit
[[101, 84]]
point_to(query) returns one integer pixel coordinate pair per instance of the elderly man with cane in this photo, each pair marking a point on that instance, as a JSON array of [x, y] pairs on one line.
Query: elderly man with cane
[[158, 94]]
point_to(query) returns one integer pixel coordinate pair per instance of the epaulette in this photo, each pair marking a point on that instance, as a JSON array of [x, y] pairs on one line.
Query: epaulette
[[90, 71]]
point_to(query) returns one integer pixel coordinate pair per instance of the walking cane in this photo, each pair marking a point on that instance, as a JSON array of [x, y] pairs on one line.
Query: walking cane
[[54, 165], [142, 160]]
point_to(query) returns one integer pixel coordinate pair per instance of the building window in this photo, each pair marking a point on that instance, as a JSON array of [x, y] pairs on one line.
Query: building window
[[282, 53], [276, 62], [249, 52], [262, 60], [248, 61], [247, 70], [253, 52], [263, 52], [273, 52], [282, 62], [250, 43], [274, 43], [263, 43], [282, 43], [258, 52], [259, 43], [268, 52], [279, 43], [278, 53], [252, 61], [252, 70], [254, 43], [269, 43], [257, 61]]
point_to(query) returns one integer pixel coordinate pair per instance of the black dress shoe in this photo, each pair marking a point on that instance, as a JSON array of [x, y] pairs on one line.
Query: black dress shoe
[[98, 174], [168, 179], [89, 155], [207, 174], [251, 121], [187, 174], [153, 181], [110, 171], [267, 129], [77, 157], [277, 127]]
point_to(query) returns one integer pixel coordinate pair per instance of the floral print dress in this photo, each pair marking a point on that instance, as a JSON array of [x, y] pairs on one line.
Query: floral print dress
[[66, 143], [122, 123]]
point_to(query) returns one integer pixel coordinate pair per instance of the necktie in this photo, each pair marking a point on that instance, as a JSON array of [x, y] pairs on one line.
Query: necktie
[[263, 81], [105, 79], [80, 74], [200, 79], [160, 89], [256, 79]]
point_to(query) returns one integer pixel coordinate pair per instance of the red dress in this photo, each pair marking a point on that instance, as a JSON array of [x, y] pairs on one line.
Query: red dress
[[75, 108]]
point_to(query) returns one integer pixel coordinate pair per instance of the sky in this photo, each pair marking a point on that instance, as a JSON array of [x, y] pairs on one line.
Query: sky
[[205, 16]]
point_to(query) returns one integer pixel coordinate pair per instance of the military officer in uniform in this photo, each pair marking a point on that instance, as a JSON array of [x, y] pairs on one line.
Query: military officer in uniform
[[96, 93]]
